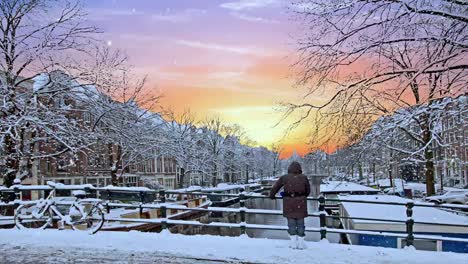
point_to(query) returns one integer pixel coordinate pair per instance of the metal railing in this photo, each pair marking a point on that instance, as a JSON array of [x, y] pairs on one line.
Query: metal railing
[[165, 220]]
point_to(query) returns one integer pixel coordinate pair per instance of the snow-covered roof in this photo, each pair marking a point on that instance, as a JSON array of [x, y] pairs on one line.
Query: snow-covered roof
[[253, 185], [344, 187], [421, 187], [396, 212], [62, 186], [188, 189], [386, 182], [125, 189], [268, 179], [223, 187], [46, 81]]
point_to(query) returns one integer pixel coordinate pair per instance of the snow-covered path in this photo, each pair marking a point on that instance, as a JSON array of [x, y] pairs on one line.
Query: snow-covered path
[[53, 246], [33, 255]]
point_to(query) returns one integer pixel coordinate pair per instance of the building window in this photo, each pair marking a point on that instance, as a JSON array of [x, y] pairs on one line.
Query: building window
[[168, 166], [49, 166], [91, 181], [169, 183], [102, 182], [159, 165]]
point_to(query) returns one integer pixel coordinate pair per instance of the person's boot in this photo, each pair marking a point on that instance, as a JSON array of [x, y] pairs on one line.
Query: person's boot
[[293, 242], [301, 243]]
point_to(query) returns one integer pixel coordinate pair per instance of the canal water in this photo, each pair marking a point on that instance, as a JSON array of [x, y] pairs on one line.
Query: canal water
[[280, 220], [258, 219]]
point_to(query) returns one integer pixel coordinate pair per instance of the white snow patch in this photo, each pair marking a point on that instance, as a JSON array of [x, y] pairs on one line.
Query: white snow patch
[[225, 248]]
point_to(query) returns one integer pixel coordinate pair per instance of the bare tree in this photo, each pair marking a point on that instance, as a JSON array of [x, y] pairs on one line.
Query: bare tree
[[370, 58], [276, 150]]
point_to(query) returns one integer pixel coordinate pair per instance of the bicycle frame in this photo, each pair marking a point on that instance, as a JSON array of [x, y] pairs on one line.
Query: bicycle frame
[[49, 205], [79, 213]]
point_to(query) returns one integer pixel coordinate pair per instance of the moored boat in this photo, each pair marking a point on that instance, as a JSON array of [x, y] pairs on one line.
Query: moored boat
[[438, 223], [178, 203]]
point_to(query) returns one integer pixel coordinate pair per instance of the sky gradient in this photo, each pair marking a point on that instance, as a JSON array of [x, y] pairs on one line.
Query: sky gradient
[[229, 58]]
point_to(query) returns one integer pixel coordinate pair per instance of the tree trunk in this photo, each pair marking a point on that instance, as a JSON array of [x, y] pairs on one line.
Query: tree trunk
[[428, 156], [214, 180], [390, 175], [11, 154], [430, 188], [360, 171], [226, 176], [181, 178], [115, 157], [26, 146], [11, 162], [247, 174], [373, 172]]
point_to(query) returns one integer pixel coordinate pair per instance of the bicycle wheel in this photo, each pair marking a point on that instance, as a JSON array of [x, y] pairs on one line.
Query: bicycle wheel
[[86, 216], [33, 216]]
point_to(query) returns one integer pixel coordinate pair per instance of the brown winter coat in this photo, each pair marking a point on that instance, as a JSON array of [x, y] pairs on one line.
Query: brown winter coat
[[296, 189]]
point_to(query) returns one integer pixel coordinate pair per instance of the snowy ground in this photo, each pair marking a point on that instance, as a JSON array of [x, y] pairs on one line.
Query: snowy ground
[[66, 246]]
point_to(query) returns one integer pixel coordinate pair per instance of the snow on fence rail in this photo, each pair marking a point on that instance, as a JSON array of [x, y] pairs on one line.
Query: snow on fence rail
[[144, 190], [164, 221]]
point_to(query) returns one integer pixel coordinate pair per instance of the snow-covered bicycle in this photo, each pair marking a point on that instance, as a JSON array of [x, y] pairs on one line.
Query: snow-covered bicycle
[[80, 214]]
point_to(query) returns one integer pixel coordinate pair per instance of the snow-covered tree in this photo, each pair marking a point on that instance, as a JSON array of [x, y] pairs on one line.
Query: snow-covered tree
[[131, 134], [276, 150], [403, 136], [215, 133], [371, 58], [263, 162], [43, 44], [62, 91], [184, 142]]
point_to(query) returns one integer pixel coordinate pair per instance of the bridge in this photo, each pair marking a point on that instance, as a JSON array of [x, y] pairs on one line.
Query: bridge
[[164, 247]]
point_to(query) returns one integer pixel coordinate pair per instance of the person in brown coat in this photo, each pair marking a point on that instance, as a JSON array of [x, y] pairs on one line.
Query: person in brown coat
[[296, 189]]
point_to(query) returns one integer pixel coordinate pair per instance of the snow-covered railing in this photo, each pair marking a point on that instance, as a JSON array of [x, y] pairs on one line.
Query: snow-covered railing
[[85, 187], [322, 215], [164, 221]]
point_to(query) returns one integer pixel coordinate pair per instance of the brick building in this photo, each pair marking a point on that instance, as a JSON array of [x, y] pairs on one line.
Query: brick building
[[93, 165]]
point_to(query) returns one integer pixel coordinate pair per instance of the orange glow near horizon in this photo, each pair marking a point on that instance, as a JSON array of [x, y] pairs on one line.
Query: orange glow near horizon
[[248, 96]]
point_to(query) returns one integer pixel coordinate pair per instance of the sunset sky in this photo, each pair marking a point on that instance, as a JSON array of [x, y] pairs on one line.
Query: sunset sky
[[228, 57]]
